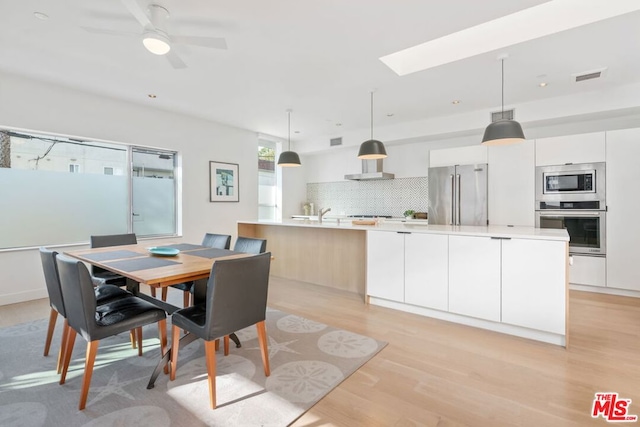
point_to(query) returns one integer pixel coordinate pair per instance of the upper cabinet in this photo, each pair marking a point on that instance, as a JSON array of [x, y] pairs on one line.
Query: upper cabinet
[[471, 155], [583, 148], [511, 184]]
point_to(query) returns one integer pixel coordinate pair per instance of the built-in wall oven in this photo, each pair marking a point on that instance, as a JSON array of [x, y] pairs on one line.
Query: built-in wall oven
[[572, 197]]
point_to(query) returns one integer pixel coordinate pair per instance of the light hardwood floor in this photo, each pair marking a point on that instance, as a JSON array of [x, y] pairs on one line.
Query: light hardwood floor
[[434, 373]]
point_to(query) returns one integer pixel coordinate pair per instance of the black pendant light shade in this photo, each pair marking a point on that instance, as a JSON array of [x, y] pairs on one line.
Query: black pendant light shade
[[503, 131], [372, 149], [289, 158]]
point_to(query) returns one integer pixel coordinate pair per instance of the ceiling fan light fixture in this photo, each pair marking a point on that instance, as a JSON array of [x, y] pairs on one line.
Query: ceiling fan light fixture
[[289, 159], [156, 42]]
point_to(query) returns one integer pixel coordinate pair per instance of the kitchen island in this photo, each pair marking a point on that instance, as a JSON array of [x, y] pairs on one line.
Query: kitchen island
[[507, 279]]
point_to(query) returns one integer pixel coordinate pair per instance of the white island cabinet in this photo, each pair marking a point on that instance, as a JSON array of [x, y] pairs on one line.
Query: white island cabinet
[[385, 265], [506, 279], [474, 277], [531, 296]]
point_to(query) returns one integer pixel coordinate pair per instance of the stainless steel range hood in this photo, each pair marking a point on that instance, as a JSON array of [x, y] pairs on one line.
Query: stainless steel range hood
[[371, 169]]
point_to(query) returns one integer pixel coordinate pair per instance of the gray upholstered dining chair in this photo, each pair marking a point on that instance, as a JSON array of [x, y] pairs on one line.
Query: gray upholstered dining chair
[[210, 240], [95, 322], [103, 295], [236, 298], [250, 245], [100, 275]]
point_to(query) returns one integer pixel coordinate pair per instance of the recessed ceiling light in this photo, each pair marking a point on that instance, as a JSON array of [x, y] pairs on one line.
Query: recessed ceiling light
[[456, 102], [550, 17], [152, 96], [41, 15], [543, 84]]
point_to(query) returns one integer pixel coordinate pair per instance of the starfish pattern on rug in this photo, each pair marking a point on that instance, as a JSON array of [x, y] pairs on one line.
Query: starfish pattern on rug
[[275, 347], [113, 387]]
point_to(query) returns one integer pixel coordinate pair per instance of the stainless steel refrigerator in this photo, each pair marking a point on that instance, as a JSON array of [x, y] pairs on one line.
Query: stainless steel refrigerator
[[458, 195]]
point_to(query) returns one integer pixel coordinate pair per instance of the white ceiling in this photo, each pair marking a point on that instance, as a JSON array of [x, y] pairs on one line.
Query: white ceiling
[[317, 57]]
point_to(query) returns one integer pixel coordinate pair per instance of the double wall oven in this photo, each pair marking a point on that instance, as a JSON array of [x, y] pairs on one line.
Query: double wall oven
[[572, 196]]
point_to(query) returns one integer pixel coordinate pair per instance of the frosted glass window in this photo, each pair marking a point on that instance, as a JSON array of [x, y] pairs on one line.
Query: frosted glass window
[[56, 190]]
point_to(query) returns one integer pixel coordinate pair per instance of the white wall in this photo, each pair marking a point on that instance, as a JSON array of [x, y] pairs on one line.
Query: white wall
[[37, 106]]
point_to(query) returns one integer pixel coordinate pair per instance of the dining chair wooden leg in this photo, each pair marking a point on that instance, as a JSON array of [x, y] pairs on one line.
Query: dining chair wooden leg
[[162, 330], [53, 316], [90, 358], [164, 293], [175, 346], [186, 296], [210, 356], [63, 345], [71, 340], [132, 337], [153, 292], [262, 338], [226, 345], [139, 339], [217, 344]]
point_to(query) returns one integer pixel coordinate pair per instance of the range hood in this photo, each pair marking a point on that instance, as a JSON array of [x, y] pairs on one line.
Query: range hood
[[371, 169]]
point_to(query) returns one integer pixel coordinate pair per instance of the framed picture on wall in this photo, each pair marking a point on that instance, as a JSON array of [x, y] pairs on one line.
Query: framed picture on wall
[[223, 182]]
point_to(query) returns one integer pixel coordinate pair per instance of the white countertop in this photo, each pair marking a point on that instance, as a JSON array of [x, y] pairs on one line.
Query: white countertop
[[415, 226]]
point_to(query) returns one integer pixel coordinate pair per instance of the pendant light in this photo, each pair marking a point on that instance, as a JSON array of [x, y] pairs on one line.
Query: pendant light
[[372, 149], [289, 158], [503, 131]]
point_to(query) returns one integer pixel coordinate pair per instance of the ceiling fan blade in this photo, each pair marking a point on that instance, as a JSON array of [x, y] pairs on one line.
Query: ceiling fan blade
[[109, 32], [175, 60], [212, 42], [134, 8]]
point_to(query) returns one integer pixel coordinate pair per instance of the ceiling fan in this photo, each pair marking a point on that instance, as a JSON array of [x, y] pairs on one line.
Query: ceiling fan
[[155, 36]]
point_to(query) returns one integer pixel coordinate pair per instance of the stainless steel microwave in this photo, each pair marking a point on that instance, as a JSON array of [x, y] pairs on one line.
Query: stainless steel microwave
[[571, 183]]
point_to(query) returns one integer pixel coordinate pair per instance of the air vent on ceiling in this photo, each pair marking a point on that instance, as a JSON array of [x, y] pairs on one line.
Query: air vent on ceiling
[[335, 141], [499, 115], [589, 75]]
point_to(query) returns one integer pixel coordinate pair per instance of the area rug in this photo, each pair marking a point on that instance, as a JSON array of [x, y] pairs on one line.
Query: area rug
[[308, 359]]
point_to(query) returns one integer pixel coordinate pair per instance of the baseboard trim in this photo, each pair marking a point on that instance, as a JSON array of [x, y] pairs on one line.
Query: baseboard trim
[[519, 331], [18, 297], [601, 290]]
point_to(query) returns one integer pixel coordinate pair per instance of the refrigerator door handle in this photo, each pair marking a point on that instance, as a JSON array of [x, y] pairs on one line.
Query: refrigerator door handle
[[453, 202], [458, 191]]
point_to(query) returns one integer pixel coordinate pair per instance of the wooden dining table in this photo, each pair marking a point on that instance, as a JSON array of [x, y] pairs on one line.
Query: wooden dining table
[[139, 266]]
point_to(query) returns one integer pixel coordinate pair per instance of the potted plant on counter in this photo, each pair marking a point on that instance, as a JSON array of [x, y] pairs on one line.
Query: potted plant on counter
[[408, 214]]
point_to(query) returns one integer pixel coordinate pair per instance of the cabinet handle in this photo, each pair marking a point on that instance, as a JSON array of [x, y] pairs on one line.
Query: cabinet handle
[[501, 238], [403, 232]]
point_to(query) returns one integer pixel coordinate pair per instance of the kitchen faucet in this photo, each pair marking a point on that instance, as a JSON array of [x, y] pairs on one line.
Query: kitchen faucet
[[321, 213]]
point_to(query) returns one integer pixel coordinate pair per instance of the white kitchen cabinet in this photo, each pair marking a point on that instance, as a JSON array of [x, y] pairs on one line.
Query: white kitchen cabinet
[[588, 270], [511, 190], [623, 203], [533, 274], [408, 267], [582, 148], [474, 277], [470, 155], [385, 265], [426, 272]]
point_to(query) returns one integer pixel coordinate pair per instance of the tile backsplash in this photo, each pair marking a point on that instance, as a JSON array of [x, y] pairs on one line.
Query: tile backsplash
[[378, 197]]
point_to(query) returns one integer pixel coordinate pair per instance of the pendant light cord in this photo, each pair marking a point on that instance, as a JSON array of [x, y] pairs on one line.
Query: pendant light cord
[[289, 137], [371, 115], [502, 114]]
